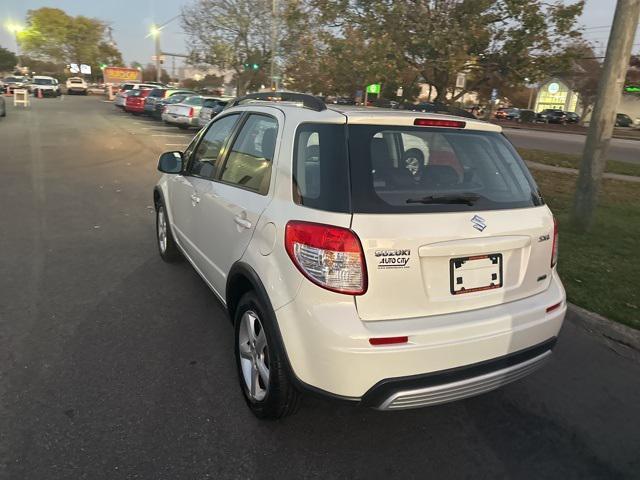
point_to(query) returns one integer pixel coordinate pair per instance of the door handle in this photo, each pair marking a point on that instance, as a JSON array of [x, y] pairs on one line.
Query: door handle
[[195, 199], [243, 222]]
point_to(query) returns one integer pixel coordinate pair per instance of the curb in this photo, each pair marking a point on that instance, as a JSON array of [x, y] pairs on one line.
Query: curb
[[609, 329], [584, 134], [573, 171]]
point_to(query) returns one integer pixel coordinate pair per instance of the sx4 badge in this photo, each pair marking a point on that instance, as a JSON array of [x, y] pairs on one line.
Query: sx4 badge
[[393, 258]]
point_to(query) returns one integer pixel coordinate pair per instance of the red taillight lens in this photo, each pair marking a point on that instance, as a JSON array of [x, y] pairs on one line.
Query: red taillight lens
[[191, 112], [553, 307], [432, 122], [554, 249], [388, 340], [329, 256]]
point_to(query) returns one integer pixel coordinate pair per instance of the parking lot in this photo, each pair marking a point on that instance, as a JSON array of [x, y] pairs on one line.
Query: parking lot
[[114, 364]]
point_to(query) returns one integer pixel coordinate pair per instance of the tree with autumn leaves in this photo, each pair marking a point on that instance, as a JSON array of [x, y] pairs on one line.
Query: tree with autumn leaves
[[54, 37]]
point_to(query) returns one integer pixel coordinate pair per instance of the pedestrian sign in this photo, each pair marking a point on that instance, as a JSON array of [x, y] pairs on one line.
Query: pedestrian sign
[[373, 88]]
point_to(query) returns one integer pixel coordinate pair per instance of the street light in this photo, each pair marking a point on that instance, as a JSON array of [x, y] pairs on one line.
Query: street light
[[16, 29], [154, 32]]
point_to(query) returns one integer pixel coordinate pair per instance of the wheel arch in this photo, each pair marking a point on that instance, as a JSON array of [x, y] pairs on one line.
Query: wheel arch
[[243, 278]]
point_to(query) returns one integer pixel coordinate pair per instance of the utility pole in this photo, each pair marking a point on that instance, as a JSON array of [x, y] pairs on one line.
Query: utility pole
[[274, 43], [594, 158]]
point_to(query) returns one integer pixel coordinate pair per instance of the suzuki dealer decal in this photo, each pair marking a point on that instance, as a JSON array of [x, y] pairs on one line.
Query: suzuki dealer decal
[[393, 258]]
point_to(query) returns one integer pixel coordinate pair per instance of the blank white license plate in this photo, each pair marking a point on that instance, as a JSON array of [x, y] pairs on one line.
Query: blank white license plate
[[475, 273]]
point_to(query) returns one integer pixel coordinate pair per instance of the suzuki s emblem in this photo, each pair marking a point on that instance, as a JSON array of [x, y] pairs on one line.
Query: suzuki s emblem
[[478, 223]]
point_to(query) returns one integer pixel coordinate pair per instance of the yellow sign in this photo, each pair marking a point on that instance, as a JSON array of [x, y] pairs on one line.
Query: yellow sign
[[121, 74]]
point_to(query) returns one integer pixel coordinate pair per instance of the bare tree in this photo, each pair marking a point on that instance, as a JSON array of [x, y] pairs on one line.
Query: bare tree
[[230, 35]]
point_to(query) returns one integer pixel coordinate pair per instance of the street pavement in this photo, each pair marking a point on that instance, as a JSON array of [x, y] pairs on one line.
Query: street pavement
[[623, 150], [115, 365]]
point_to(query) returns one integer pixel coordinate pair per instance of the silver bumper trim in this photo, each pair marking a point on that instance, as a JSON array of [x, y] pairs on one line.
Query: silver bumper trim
[[469, 387]]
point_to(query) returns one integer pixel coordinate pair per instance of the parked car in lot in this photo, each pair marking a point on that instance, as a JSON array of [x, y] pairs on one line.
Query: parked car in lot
[[526, 116], [77, 86], [572, 117], [210, 108], [134, 101], [429, 279], [160, 105], [550, 115], [185, 114], [507, 113], [49, 86], [15, 82], [158, 94], [435, 107], [124, 88], [623, 120]]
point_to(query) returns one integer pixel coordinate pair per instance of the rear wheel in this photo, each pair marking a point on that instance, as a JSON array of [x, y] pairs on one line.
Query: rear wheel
[[166, 244], [260, 361]]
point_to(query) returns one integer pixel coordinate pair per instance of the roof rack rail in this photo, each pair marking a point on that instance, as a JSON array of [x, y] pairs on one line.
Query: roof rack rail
[[308, 101]]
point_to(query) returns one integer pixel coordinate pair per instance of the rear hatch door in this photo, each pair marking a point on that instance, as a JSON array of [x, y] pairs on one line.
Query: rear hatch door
[[449, 219]]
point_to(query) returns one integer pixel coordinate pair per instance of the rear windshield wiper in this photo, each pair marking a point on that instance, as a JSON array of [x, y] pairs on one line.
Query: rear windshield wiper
[[465, 199]]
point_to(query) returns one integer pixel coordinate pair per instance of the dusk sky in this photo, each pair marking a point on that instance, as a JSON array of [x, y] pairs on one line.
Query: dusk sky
[[131, 21]]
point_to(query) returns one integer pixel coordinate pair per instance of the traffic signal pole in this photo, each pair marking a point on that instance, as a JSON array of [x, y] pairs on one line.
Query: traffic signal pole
[[594, 158]]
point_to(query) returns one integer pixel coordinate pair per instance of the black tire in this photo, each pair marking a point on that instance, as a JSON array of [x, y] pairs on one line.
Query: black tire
[[183, 127], [281, 398], [169, 251]]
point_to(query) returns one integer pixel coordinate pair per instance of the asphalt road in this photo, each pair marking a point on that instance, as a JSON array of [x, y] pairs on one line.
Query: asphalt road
[[116, 365], [620, 149]]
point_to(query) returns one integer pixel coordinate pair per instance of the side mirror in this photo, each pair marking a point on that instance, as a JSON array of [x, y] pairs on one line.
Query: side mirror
[[171, 162]]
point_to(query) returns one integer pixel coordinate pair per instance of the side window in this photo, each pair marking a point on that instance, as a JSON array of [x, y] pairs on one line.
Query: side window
[[204, 160], [320, 167], [251, 156]]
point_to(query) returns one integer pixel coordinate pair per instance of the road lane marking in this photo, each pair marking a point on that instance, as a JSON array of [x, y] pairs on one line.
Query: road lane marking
[[176, 144]]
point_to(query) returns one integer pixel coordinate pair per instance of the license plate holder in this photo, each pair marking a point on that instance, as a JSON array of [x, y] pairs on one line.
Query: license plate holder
[[475, 273]]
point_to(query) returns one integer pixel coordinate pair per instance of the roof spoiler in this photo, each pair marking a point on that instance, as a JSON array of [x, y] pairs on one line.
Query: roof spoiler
[[307, 101]]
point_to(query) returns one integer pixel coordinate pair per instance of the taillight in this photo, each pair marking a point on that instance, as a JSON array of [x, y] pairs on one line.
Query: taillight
[[433, 122], [329, 256], [554, 249], [191, 112]]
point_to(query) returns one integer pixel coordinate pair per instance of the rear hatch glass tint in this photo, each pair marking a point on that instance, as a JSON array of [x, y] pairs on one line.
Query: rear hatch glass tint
[[405, 169]]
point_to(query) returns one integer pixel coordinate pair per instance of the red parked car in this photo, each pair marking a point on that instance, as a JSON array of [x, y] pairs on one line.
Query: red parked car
[[134, 102]]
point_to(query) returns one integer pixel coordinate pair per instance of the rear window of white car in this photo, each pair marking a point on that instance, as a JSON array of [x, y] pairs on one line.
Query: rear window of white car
[[416, 169], [406, 169]]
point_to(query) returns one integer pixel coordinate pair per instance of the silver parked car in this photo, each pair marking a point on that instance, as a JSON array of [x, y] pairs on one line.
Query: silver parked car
[[184, 114]]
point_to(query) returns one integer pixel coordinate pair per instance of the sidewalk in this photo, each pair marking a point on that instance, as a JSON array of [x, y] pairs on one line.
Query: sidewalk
[[622, 133], [573, 171]]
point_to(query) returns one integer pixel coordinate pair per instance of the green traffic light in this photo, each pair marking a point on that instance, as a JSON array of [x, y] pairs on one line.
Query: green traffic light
[[256, 66]]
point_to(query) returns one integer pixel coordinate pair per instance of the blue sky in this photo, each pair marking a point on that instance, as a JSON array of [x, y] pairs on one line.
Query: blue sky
[[131, 20]]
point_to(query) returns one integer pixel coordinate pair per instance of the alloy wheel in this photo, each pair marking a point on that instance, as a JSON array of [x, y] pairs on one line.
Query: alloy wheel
[[254, 355], [162, 229]]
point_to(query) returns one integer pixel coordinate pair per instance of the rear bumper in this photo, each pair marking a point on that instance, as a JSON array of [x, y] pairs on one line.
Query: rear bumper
[[457, 383], [180, 120], [328, 348]]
